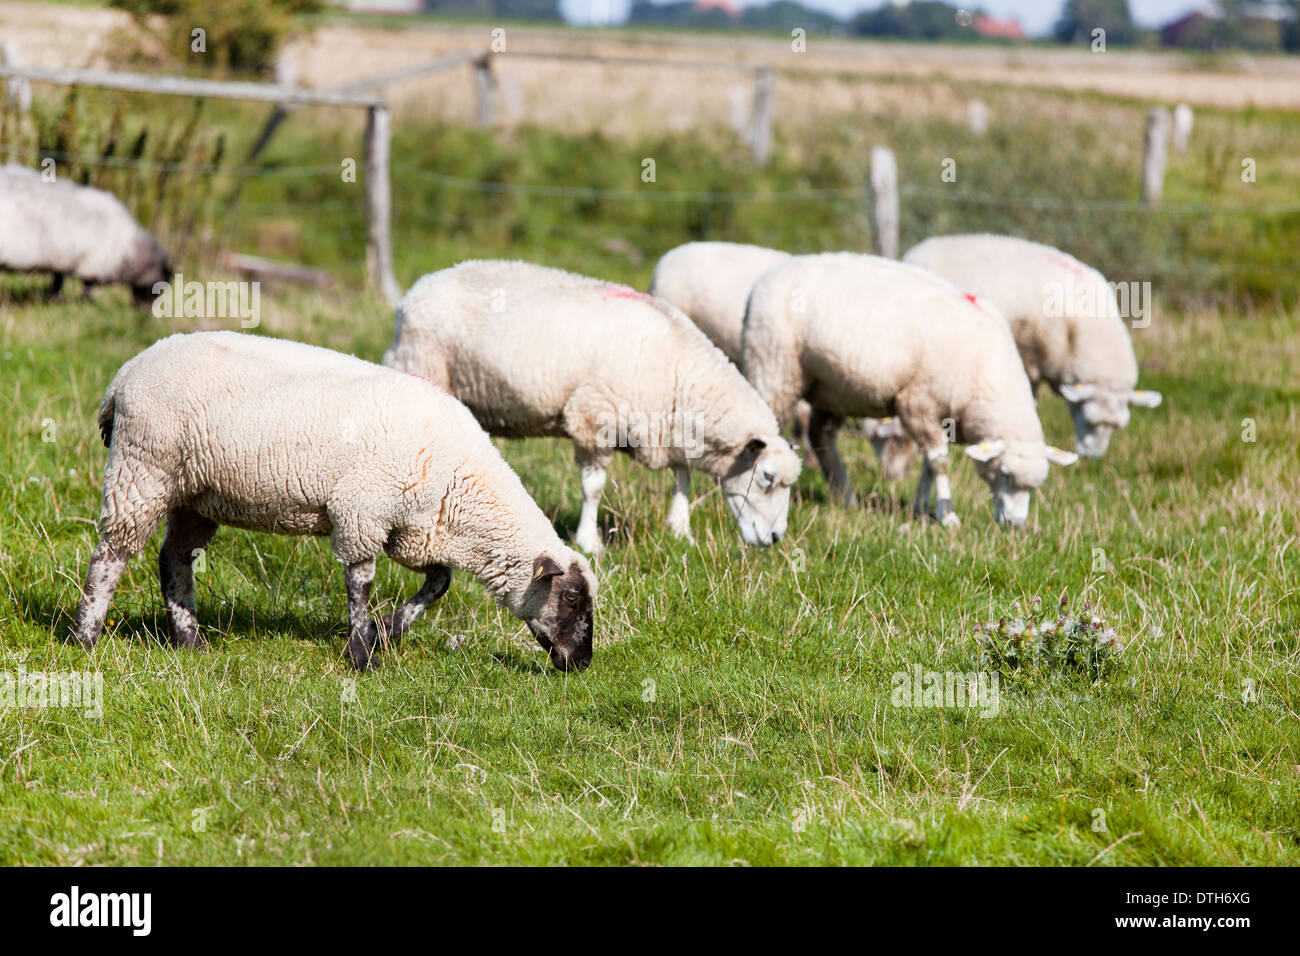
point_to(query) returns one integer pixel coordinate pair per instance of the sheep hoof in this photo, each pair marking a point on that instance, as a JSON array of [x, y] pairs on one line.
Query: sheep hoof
[[950, 520], [364, 653], [589, 542]]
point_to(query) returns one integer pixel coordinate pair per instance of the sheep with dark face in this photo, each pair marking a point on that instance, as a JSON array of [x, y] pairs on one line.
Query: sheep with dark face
[[65, 229], [220, 428]]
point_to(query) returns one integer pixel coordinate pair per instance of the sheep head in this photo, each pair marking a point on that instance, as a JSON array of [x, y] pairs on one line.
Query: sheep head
[[559, 608], [756, 484], [1098, 412], [1012, 470], [145, 267]]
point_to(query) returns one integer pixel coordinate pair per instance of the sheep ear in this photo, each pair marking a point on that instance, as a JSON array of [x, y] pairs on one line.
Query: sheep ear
[[986, 450], [1145, 399], [1059, 456], [545, 567], [1077, 393], [755, 445]]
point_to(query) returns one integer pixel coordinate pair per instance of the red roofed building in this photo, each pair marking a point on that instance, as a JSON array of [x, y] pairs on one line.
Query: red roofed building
[[726, 6], [994, 29]]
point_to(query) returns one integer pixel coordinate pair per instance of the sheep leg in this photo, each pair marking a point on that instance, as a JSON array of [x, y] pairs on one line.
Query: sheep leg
[[437, 578], [87, 290], [592, 467], [822, 428], [134, 502], [187, 532], [56, 284], [679, 512], [936, 460], [106, 566], [921, 503], [363, 634], [800, 428]]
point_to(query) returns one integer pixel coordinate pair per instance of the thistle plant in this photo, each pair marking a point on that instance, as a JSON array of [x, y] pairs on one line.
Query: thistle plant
[[1032, 644]]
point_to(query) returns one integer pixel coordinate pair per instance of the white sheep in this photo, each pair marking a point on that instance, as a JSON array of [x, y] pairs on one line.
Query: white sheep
[[710, 282], [218, 428], [538, 351], [1065, 320], [65, 229], [860, 335]]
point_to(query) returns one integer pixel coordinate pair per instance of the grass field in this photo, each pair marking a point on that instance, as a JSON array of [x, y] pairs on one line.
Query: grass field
[[738, 709]]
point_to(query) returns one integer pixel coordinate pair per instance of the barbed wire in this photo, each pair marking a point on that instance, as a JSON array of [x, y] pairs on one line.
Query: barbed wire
[[658, 194], [655, 193], [11, 153]]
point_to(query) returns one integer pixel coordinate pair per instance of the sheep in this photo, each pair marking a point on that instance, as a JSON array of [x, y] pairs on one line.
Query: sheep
[[535, 351], [225, 428], [65, 229], [1065, 320], [861, 335], [710, 282]]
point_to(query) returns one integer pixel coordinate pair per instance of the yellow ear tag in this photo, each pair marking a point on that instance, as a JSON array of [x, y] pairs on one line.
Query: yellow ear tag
[[538, 573]]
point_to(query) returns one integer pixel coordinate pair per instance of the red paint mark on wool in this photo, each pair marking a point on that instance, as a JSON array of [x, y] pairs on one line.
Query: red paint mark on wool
[[970, 298], [623, 292], [1069, 264]]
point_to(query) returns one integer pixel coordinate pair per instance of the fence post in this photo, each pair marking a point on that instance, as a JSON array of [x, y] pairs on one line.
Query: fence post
[[18, 88], [764, 86], [484, 92], [739, 112], [977, 114], [1155, 148], [1182, 126], [884, 208], [379, 245]]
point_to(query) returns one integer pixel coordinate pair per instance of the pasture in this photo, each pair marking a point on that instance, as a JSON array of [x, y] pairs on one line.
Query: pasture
[[739, 706]]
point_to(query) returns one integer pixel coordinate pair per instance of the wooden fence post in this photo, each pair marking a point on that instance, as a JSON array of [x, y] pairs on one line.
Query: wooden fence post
[[1155, 149], [738, 115], [18, 88], [379, 245], [884, 207], [761, 127], [1182, 126], [484, 92], [977, 115]]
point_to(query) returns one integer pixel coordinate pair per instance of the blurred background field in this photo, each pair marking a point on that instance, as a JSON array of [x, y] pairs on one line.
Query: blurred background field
[[737, 710]]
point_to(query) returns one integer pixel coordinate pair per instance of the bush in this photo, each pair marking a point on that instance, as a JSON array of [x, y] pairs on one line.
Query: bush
[[241, 36]]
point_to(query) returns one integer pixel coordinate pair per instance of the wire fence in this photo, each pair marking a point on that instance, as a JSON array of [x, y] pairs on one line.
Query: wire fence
[[181, 182]]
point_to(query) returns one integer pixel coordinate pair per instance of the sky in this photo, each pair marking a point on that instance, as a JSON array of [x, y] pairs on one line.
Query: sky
[[1036, 16]]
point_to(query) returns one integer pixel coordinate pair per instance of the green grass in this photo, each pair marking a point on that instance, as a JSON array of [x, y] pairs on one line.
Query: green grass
[[738, 707]]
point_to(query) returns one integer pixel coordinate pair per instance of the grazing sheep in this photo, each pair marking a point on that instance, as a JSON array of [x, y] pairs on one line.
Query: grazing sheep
[[710, 282], [220, 428], [860, 335], [1065, 319], [538, 351], [66, 229]]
